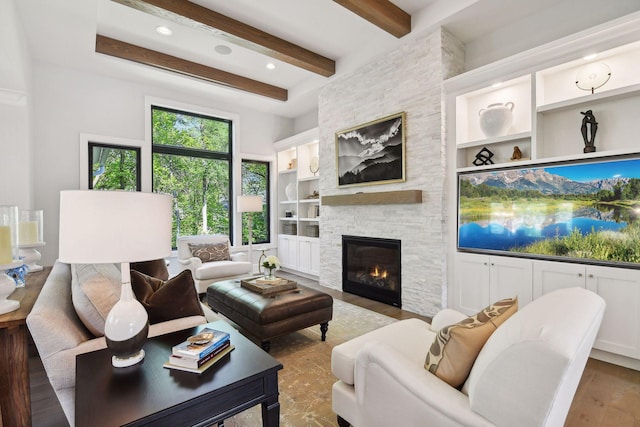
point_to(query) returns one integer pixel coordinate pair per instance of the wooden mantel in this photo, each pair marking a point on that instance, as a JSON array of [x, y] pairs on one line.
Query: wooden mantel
[[374, 198]]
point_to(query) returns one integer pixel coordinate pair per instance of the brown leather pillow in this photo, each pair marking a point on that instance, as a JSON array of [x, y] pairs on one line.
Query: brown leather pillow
[[456, 347], [156, 268], [166, 300]]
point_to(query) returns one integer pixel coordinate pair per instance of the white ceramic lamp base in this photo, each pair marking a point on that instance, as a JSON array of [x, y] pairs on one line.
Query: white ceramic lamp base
[[7, 306], [126, 329], [7, 286], [31, 256]]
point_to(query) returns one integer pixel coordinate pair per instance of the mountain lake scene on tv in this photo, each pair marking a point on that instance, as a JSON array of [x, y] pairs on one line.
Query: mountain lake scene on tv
[[586, 210]]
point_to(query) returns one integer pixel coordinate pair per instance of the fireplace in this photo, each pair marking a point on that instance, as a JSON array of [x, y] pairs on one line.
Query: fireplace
[[371, 268]]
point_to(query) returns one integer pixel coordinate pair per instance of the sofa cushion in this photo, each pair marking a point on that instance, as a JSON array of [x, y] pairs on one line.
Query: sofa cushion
[[410, 337], [208, 252], [166, 300], [455, 347], [214, 270], [95, 288], [156, 268]]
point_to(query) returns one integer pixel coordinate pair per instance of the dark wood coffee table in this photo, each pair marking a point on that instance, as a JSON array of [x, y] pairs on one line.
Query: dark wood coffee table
[[149, 394]]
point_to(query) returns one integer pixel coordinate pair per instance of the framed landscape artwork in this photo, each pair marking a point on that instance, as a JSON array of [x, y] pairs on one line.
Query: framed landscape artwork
[[372, 153], [583, 211]]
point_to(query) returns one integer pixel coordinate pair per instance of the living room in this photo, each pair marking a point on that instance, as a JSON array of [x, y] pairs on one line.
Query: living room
[[49, 107]]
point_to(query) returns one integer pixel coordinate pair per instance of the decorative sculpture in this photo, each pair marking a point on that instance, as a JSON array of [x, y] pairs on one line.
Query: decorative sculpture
[[483, 157], [589, 128], [517, 154]]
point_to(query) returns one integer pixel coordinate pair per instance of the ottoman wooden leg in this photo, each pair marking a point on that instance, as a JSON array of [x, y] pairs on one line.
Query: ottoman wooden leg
[[324, 327], [266, 346]]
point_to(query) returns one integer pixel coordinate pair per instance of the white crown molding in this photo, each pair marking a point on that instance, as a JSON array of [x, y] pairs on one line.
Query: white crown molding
[[601, 37], [12, 97]]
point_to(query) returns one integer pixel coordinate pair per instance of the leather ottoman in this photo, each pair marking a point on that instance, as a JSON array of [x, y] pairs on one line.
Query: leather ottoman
[[266, 317]]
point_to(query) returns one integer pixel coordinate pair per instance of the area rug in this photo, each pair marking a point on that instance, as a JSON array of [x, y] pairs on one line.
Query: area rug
[[306, 379]]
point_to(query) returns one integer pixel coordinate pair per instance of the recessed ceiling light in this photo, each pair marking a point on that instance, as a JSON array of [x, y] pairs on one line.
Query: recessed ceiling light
[[271, 66], [589, 57], [165, 31], [222, 49]]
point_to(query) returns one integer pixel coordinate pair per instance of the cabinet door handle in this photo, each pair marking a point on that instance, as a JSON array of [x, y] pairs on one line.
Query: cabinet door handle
[[579, 274], [486, 263], [591, 276], [492, 264]]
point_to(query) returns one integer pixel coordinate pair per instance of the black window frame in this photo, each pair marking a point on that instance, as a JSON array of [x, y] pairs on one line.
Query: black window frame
[[199, 153], [91, 145], [267, 199]]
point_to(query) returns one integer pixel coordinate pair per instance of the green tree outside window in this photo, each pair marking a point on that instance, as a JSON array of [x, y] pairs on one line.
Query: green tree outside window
[[192, 161], [255, 182]]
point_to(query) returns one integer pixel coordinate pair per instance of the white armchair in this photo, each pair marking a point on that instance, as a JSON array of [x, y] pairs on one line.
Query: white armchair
[[205, 273], [525, 375]]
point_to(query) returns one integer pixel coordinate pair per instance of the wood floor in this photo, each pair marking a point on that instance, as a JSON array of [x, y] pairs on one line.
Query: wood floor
[[608, 395]]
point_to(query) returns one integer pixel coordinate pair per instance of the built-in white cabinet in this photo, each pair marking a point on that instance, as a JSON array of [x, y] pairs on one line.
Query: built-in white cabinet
[[288, 251], [299, 202], [483, 279], [546, 91], [309, 255], [620, 288]]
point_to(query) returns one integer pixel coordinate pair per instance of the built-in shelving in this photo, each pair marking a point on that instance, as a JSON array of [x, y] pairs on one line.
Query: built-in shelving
[[548, 107], [547, 112], [298, 241], [607, 95]]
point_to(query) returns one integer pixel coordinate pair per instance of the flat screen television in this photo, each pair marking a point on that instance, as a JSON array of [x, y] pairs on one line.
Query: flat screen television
[[582, 211]]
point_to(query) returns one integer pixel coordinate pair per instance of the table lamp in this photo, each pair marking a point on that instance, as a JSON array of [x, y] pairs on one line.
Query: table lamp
[[250, 204], [98, 227]]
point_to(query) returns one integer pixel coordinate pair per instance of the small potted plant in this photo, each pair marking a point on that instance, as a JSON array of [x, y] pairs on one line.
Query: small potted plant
[[270, 263]]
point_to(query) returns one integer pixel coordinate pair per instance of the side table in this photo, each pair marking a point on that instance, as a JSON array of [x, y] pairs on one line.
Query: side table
[[15, 395]]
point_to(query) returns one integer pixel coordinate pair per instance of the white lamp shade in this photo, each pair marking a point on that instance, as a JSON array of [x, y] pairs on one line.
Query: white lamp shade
[[249, 203], [114, 226]]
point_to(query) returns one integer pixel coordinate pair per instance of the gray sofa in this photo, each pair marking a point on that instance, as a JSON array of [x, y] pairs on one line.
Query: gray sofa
[[60, 335]]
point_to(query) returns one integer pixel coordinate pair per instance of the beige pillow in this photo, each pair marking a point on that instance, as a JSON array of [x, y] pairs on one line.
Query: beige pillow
[[208, 252], [456, 346], [95, 288]]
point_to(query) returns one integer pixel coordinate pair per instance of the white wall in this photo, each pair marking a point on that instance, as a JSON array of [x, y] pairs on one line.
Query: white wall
[[408, 79], [69, 102], [15, 111], [561, 19]]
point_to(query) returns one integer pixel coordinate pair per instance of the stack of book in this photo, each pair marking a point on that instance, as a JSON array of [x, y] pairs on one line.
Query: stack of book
[[199, 352]]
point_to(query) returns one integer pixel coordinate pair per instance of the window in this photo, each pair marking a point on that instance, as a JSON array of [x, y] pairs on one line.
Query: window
[[192, 161], [255, 182], [113, 167]]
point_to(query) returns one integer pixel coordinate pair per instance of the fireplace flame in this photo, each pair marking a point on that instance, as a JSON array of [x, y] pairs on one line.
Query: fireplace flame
[[379, 273]]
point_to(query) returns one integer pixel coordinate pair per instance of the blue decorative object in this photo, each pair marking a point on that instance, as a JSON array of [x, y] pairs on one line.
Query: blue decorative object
[[18, 273]]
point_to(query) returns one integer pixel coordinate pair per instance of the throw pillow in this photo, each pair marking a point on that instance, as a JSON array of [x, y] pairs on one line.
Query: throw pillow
[[166, 300], [95, 288], [156, 268], [456, 346], [208, 252]]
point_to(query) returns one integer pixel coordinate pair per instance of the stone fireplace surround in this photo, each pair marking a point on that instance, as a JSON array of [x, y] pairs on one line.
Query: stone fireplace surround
[[407, 79]]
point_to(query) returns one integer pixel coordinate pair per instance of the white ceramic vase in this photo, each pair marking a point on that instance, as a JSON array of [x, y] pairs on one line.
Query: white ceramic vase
[[496, 119], [7, 286], [290, 191]]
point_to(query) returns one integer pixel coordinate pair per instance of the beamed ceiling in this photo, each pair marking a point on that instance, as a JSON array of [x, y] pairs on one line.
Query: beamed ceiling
[[219, 49], [381, 13]]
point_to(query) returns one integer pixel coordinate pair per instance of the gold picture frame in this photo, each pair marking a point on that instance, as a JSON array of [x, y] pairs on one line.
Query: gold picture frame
[[372, 153]]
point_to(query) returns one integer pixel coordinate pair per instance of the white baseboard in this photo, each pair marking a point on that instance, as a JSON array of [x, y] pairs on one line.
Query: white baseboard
[[616, 359]]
